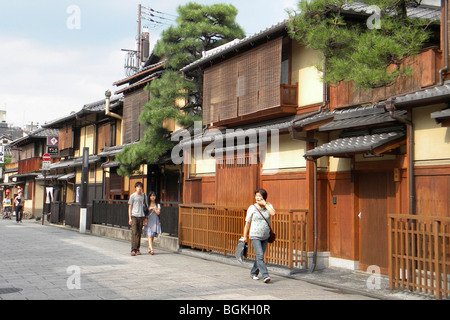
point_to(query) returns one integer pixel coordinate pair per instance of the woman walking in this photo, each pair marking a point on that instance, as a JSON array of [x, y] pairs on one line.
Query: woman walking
[[19, 201], [257, 223], [153, 227]]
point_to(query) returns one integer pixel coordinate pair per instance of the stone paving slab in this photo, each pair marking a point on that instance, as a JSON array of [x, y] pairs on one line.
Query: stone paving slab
[[35, 264], [38, 262]]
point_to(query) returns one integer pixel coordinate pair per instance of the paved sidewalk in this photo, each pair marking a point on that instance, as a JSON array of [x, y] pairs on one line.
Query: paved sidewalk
[[48, 262]]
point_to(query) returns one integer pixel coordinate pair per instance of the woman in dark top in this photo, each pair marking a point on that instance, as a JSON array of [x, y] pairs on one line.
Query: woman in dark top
[[19, 201]]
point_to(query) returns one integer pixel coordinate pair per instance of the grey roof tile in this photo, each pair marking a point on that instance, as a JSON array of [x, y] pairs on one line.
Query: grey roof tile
[[350, 118], [355, 144], [421, 12], [234, 45], [436, 92], [441, 114]]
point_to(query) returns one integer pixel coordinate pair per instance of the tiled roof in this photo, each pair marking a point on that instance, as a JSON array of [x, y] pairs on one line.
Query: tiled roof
[[39, 133], [93, 107], [141, 82], [350, 118], [235, 45], [421, 12], [208, 135], [441, 114], [355, 144], [436, 92], [100, 105], [75, 162], [112, 151], [143, 72]]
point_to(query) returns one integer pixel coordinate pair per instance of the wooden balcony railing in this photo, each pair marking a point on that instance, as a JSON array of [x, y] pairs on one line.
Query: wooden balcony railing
[[425, 72], [30, 165], [289, 95], [419, 254], [218, 229], [248, 111]]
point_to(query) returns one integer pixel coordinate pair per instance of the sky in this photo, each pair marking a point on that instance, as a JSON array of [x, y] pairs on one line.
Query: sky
[[58, 55]]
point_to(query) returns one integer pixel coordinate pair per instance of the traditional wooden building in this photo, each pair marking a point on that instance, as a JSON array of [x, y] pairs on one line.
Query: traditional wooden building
[[346, 157], [254, 89], [26, 158], [95, 127], [163, 177]]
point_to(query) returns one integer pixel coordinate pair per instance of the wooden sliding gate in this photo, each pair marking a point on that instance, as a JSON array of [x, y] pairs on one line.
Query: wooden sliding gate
[[419, 254], [218, 229]]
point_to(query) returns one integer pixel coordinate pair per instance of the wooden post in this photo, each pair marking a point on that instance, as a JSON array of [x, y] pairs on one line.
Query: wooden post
[[290, 240], [310, 185], [192, 228], [390, 258], [437, 254]]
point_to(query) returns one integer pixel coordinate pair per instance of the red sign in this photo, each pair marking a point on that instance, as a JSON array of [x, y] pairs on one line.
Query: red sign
[[46, 157]]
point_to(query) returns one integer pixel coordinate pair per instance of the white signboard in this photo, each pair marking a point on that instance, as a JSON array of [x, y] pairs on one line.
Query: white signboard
[[46, 165]]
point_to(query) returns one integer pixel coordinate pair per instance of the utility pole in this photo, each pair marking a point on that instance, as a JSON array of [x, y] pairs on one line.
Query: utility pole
[[139, 48]]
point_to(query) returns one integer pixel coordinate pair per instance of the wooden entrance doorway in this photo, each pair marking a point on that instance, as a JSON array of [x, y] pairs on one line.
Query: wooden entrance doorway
[[376, 200], [236, 180]]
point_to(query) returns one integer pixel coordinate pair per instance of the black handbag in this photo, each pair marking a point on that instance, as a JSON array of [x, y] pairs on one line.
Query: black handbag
[[272, 235], [145, 206]]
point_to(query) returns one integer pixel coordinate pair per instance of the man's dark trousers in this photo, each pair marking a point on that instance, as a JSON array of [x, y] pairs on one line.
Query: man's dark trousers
[[136, 233]]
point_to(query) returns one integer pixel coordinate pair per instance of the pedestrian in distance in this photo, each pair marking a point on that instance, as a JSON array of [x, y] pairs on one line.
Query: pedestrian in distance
[[7, 207], [257, 229], [153, 228], [19, 201], [136, 217]]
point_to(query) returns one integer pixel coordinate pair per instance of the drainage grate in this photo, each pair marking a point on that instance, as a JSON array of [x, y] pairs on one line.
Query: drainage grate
[[9, 290]]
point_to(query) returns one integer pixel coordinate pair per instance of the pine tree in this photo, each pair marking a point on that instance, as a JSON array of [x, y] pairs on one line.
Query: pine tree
[[199, 28], [370, 51]]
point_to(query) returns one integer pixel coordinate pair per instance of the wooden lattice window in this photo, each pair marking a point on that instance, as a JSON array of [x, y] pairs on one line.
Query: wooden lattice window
[[243, 85]]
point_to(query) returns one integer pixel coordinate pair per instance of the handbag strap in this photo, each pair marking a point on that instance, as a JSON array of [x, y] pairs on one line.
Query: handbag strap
[[262, 215]]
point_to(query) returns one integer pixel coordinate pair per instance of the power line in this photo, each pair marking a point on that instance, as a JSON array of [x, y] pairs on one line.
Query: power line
[[157, 18], [156, 11]]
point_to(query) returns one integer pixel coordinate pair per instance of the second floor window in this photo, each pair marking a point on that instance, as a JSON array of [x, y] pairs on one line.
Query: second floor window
[[243, 85]]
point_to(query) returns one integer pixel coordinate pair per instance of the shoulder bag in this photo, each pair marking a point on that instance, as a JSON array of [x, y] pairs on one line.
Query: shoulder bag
[[145, 205], [272, 235]]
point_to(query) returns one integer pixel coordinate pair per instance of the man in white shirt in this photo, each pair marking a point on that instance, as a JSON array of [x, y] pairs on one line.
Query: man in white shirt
[[136, 217]]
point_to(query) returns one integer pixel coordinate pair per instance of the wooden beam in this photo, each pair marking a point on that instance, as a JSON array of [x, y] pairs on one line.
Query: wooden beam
[[389, 146]]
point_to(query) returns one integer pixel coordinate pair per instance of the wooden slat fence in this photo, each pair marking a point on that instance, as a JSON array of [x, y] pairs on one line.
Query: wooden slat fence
[[110, 213], [419, 254], [218, 229]]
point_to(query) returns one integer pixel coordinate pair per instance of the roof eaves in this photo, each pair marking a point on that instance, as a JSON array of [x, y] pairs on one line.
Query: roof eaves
[[235, 45], [140, 73]]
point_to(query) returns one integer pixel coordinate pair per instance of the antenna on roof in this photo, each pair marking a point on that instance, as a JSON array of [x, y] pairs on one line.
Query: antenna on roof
[[133, 58]]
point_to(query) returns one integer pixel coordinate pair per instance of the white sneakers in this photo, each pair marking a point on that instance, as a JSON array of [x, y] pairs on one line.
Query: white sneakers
[[266, 279]]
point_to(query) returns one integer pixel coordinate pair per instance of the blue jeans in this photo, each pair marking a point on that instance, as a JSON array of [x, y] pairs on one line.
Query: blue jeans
[[259, 265]]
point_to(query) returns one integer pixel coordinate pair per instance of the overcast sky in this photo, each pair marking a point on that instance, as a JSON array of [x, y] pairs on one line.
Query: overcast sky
[[52, 63]]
